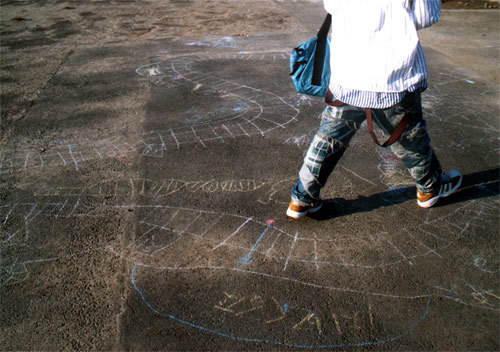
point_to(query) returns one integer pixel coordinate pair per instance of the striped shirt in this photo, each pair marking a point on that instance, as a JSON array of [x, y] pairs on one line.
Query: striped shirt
[[375, 53]]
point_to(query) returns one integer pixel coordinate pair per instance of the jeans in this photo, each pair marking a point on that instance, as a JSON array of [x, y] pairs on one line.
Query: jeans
[[338, 126]]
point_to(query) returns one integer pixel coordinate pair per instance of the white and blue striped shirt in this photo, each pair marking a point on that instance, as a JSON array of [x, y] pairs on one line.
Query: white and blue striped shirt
[[375, 53]]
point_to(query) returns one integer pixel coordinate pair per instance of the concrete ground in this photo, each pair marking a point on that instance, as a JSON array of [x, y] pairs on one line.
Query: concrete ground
[[147, 153]]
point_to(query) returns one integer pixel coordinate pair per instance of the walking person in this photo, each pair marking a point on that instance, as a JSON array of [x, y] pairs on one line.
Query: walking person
[[378, 69]]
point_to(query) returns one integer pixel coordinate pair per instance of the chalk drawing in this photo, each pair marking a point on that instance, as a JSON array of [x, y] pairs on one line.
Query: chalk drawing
[[304, 99], [197, 115], [223, 42], [13, 273], [483, 264], [247, 259], [245, 309], [464, 111], [267, 254], [299, 141], [393, 173], [246, 111], [296, 309], [295, 325], [309, 319], [146, 187], [162, 229], [278, 188]]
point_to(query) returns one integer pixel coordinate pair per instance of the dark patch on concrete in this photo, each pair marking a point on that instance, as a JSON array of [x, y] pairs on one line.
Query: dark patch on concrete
[[15, 44]]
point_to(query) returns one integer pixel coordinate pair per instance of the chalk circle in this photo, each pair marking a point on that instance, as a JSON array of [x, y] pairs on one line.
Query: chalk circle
[[190, 270], [230, 98]]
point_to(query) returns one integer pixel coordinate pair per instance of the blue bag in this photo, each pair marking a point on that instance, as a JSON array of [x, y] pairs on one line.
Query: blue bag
[[310, 63]]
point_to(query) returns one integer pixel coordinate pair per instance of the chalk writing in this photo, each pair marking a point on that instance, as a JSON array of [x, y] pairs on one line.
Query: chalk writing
[[279, 321], [157, 189], [486, 297], [298, 141], [393, 172], [240, 306], [309, 319]]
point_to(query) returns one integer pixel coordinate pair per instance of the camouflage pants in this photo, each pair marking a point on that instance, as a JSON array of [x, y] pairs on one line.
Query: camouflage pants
[[338, 126]]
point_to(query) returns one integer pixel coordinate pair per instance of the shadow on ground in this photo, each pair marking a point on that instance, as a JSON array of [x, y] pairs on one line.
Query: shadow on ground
[[477, 185]]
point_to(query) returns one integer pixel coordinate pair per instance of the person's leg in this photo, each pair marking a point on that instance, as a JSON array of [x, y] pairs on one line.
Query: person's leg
[[413, 147], [338, 126], [415, 151]]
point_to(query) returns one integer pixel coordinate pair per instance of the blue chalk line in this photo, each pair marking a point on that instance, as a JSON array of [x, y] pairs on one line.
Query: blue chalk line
[[277, 342], [247, 259]]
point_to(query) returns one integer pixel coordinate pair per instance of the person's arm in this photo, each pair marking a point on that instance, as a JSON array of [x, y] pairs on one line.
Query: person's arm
[[425, 12]]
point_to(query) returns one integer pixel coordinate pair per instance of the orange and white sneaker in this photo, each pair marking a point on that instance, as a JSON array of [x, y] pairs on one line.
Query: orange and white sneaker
[[450, 182], [297, 211]]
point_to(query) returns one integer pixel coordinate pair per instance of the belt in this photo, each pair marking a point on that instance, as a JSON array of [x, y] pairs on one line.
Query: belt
[[394, 136]]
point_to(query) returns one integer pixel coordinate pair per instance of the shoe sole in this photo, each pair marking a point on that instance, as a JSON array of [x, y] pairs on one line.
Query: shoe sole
[[434, 200], [300, 214]]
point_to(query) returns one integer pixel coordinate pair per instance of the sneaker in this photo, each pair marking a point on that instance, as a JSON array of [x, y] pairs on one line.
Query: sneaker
[[297, 211], [450, 182]]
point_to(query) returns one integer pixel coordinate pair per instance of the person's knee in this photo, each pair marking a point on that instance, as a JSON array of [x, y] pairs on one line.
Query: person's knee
[[317, 152]]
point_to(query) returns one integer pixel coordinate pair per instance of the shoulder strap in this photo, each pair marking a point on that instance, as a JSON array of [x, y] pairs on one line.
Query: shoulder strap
[[319, 56], [395, 135]]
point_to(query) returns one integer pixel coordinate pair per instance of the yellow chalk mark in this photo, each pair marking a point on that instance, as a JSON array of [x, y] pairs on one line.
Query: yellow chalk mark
[[337, 324], [358, 176], [479, 297], [253, 300], [222, 303], [354, 320], [370, 314], [228, 308], [132, 189], [226, 185], [492, 294], [256, 298], [229, 295], [142, 186], [237, 302], [248, 311], [280, 186], [224, 309], [229, 302], [282, 311], [159, 188], [311, 319], [211, 186]]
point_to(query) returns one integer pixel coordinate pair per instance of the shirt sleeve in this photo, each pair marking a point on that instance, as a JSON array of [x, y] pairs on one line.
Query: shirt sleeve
[[425, 12]]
